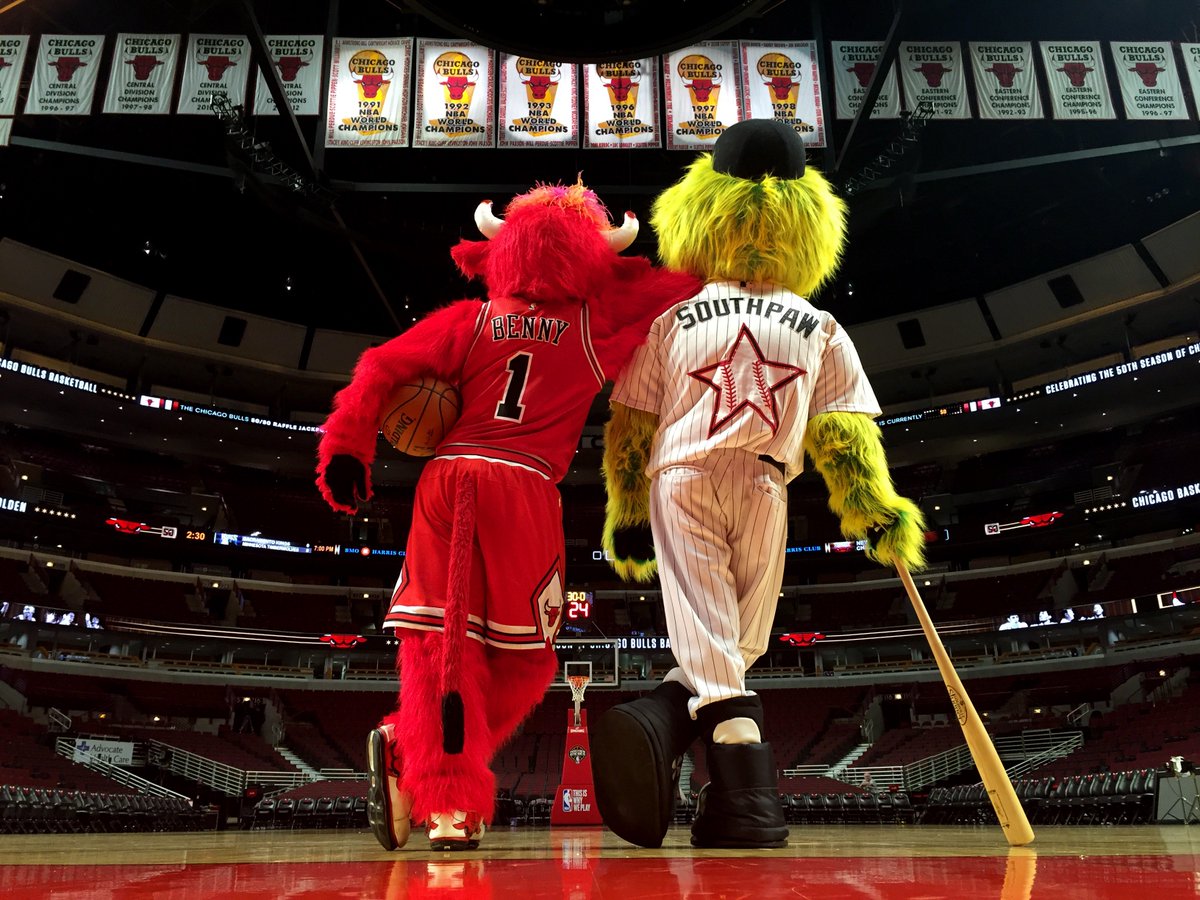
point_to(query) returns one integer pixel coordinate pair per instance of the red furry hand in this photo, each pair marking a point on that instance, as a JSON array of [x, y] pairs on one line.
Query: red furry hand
[[346, 479]]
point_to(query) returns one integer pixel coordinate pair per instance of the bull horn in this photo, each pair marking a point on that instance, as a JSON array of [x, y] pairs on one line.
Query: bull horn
[[488, 224], [620, 238]]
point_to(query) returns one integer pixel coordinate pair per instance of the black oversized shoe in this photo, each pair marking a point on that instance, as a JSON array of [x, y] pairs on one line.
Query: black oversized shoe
[[637, 748], [388, 806], [740, 806]]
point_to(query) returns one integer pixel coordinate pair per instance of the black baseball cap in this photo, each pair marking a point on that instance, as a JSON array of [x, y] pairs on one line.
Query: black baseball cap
[[755, 148]]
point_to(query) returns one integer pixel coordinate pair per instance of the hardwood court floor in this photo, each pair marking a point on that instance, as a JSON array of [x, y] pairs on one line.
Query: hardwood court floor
[[919, 863]]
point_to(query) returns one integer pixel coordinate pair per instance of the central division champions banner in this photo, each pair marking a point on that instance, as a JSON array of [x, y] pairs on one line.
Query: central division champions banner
[[143, 74], [12, 59], [297, 57], [454, 95], [1005, 80], [65, 71], [933, 74], [783, 81], [1149, 80], [215, 64], [1075, 73], [368, 92], [854, 64], [620, 102], [539, 103], [702, 87]]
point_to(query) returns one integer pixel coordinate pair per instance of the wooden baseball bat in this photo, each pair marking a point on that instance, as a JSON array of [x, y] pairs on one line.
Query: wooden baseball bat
[[996, 782]]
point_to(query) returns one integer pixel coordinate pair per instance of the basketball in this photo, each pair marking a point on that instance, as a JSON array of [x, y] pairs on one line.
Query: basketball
[[419, 414]]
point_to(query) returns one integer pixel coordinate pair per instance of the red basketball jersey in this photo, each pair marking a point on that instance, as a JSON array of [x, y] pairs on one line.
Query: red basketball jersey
[[527, 385]]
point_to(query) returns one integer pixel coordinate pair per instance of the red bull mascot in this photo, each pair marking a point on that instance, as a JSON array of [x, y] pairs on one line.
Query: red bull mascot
[[709, 422], [478, 601]]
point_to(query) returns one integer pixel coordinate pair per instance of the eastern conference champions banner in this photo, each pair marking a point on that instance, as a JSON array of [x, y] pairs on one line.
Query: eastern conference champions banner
[[214, 65], [454, 95], [1149, 80], [1005, 80], [783, 81], [854, 64], [539, 102], [620, 102], [1075, 74], [143, 74], [702, 88], [66, 69], [12, 60], [297, 58], [368, 92], [932, 74]]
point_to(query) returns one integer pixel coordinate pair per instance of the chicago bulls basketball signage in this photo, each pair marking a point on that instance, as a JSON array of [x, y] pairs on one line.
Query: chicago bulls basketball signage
[[369, 92], [1005, 80], [142, 75], [1075, 74], [1149, 81], [620, 102], [854, 64], [214, 64], [297, 59], [454, 95], [12, 58], [703, 92], [64, 75], [783, 81], [932, 73], [1191, 63], [539, 103]]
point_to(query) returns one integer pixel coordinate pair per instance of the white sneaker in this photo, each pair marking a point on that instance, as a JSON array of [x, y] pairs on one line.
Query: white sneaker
[[456, 830], [388, 808]]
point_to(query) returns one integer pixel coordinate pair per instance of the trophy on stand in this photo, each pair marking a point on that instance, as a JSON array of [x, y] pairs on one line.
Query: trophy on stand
[[574, 804]]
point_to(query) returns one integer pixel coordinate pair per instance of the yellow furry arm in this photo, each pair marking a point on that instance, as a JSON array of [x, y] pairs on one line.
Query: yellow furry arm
[[628, 438], [847, 449]]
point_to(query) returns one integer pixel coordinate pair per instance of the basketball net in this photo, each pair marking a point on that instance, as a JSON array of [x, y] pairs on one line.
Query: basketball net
[[578, 685]]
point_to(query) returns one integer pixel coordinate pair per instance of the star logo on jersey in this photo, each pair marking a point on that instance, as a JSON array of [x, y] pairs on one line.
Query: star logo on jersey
[[745, 379]]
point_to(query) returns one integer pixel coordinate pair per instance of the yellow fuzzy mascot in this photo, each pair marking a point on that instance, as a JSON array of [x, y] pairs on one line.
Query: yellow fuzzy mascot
[[709, 422]]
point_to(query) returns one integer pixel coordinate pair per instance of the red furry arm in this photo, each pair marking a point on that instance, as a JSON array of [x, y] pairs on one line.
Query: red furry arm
[[436, 345], [635, 297]]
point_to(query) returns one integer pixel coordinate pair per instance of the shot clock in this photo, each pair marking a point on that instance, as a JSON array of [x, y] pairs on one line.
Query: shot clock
[[579, 605]]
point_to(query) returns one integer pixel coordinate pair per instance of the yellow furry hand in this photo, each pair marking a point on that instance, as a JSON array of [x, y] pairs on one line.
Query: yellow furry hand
[[628, 545], [902, 539]]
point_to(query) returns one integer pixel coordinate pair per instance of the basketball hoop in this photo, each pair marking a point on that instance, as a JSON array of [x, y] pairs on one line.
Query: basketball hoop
[[578, 685]]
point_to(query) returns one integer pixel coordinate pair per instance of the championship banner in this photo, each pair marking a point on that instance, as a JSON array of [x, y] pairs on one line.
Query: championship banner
[[5, 132], [620, 102], [1075, 74], [1005, 80], [214, 64], [783, 81], [297, 57], [12, 59], [702, 93], [853, 64], [1149, 81], [369, 92], [539, 103], [65, 71], [454, 95], [1191, 64], [143, 74], [932, 73]]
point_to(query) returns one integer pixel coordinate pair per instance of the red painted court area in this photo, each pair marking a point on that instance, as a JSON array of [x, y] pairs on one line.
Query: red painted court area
[[1019, 875]]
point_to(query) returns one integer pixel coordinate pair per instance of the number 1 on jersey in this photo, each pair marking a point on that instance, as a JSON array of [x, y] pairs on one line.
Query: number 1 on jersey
[[518, 374]]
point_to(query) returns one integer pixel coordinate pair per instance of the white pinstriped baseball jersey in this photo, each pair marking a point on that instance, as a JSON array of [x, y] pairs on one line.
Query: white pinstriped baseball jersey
[[742, 366]]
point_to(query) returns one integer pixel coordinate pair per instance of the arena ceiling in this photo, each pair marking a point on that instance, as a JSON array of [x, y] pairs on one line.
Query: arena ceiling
[[969, 207]]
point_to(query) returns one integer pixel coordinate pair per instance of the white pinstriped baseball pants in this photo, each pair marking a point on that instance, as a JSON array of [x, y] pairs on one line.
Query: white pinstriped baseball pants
[[720, 532]]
